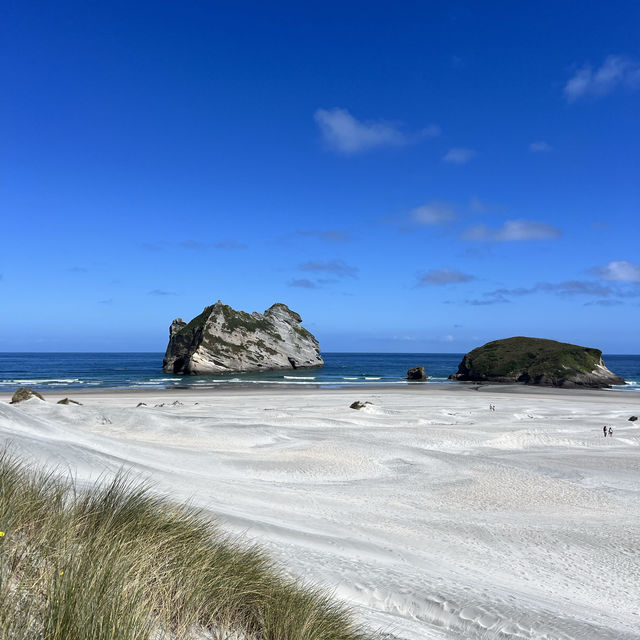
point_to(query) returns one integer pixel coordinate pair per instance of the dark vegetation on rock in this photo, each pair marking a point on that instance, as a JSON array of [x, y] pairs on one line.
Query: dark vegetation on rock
[[24, 393], [68, 401], [536, 361]]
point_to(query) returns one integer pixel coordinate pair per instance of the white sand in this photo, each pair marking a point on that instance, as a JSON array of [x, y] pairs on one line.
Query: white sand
[[430, 515]]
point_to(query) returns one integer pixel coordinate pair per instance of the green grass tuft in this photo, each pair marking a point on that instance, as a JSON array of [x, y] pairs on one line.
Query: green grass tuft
[[117, 562]]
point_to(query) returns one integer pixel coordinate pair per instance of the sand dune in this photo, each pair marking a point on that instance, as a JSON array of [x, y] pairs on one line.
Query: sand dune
[[432, 516]]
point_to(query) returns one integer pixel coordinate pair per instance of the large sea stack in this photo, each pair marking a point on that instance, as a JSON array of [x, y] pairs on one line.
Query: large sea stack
[[223, 340], [536, 361]]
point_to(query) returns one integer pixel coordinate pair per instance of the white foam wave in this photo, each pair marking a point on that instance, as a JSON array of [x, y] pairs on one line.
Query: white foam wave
[[27, 381], [299, 377]]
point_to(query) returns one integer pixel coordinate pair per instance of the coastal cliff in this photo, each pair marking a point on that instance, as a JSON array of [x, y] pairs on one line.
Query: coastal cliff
[[536, 361], [223, 340]]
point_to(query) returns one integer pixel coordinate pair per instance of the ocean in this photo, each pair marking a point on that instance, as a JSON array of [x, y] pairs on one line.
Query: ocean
[[49, 371]]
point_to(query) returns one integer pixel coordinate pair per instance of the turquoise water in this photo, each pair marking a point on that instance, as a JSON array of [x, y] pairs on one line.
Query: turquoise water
[[144, 370]]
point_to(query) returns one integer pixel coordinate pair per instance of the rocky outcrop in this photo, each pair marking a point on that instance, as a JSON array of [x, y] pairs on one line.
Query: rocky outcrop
[[223, 340], [24, 393], [536, 361], [416, 373], [68, 401]]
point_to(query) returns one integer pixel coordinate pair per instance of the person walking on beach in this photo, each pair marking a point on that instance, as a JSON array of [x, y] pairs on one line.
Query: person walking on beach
[[604, 430], [610, 432]]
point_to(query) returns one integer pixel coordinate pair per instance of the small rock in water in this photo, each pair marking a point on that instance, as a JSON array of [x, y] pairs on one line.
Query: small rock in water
[[159, 405], [177, 403], [141, 404], [24, 393], [359, 404], [633, 418], [69, 401], [416, 373]]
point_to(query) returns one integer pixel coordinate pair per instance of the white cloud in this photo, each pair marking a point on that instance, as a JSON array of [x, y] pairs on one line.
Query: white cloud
[[458, 155], [619, 271], [338, 267], [348, 135], [539, 146], [513, 231], [613, 72], [432, 214], [444, 276]]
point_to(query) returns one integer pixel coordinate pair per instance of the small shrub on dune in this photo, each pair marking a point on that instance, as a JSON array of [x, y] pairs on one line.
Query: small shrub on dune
[[116, 562]]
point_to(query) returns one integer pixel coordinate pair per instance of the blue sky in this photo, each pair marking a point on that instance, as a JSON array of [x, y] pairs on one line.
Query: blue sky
[[409, 177]]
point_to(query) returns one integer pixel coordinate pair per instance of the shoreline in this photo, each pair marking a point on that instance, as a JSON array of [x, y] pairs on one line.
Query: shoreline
[[283, 389]]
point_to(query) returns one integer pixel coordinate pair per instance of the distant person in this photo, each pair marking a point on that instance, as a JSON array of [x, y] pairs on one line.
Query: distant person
[[610, 432], [604, 430]]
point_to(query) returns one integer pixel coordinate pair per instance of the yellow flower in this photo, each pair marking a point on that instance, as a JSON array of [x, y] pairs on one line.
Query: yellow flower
[[1, 534], [62, 573]]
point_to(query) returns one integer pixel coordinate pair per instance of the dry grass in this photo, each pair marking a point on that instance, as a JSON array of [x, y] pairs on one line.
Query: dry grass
[[117, 562]]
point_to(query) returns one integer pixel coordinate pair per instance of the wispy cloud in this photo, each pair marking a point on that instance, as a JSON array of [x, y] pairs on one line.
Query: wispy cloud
[[512, 231], [78, 269], [303, 283], [344, 133], [230, 245], [161, 292], [194, 245], [540, 146], [604, 303], [330, 235], [477, 206], [337, 267], [619, 271], [443, 276], [566, 289], [483, 302], [154, 246], [615, 71], [433, 214], [459, 155]]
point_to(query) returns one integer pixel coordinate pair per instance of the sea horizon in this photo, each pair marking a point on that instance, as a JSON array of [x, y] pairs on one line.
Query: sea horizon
[[74, 370]]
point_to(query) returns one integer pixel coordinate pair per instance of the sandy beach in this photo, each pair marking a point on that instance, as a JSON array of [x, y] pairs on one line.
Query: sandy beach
[[427, 513]]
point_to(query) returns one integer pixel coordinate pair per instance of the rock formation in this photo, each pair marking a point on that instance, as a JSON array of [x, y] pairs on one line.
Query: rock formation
[[536, 361], [68, 401], [223, 340], [416, 373], [24, 393]]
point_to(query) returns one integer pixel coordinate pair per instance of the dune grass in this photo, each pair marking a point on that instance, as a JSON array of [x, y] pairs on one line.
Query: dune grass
[[117, 562]]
